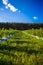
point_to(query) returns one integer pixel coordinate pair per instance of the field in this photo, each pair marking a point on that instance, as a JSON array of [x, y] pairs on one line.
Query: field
[[23, 48]]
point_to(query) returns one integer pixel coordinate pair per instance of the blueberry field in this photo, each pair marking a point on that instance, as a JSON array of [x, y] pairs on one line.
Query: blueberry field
[[21, 47]]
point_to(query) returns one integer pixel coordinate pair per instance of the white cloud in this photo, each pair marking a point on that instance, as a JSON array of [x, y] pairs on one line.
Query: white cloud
[[12, 8], [5, 2], [35, 17], [8, 5]]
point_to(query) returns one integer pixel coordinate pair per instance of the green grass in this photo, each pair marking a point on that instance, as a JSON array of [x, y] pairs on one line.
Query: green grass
[[21, 49]]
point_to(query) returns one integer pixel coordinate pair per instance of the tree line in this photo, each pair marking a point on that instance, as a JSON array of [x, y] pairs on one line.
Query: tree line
[[20, 26]]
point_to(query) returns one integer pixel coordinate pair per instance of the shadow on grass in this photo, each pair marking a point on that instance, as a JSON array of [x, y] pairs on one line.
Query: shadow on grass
[[19, 41], [19, 49]]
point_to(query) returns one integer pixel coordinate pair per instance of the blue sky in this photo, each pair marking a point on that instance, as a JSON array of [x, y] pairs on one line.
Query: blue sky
[[26, 11]]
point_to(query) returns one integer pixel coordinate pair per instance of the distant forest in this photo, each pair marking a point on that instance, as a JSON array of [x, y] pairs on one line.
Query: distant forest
[[20, 26]]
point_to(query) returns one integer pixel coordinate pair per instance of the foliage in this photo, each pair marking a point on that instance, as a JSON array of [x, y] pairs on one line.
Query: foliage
[[21, 49]]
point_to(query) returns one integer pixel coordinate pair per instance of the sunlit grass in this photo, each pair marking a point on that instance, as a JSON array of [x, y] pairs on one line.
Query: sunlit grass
[[21, 49]]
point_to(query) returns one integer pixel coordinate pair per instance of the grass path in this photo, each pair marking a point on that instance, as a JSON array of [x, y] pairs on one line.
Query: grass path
[[8, 37], [37, 37]]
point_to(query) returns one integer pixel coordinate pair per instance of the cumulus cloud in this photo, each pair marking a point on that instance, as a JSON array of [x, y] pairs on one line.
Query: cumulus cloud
[[5, 2], [35, 17], [8, 5], [12, 8]]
